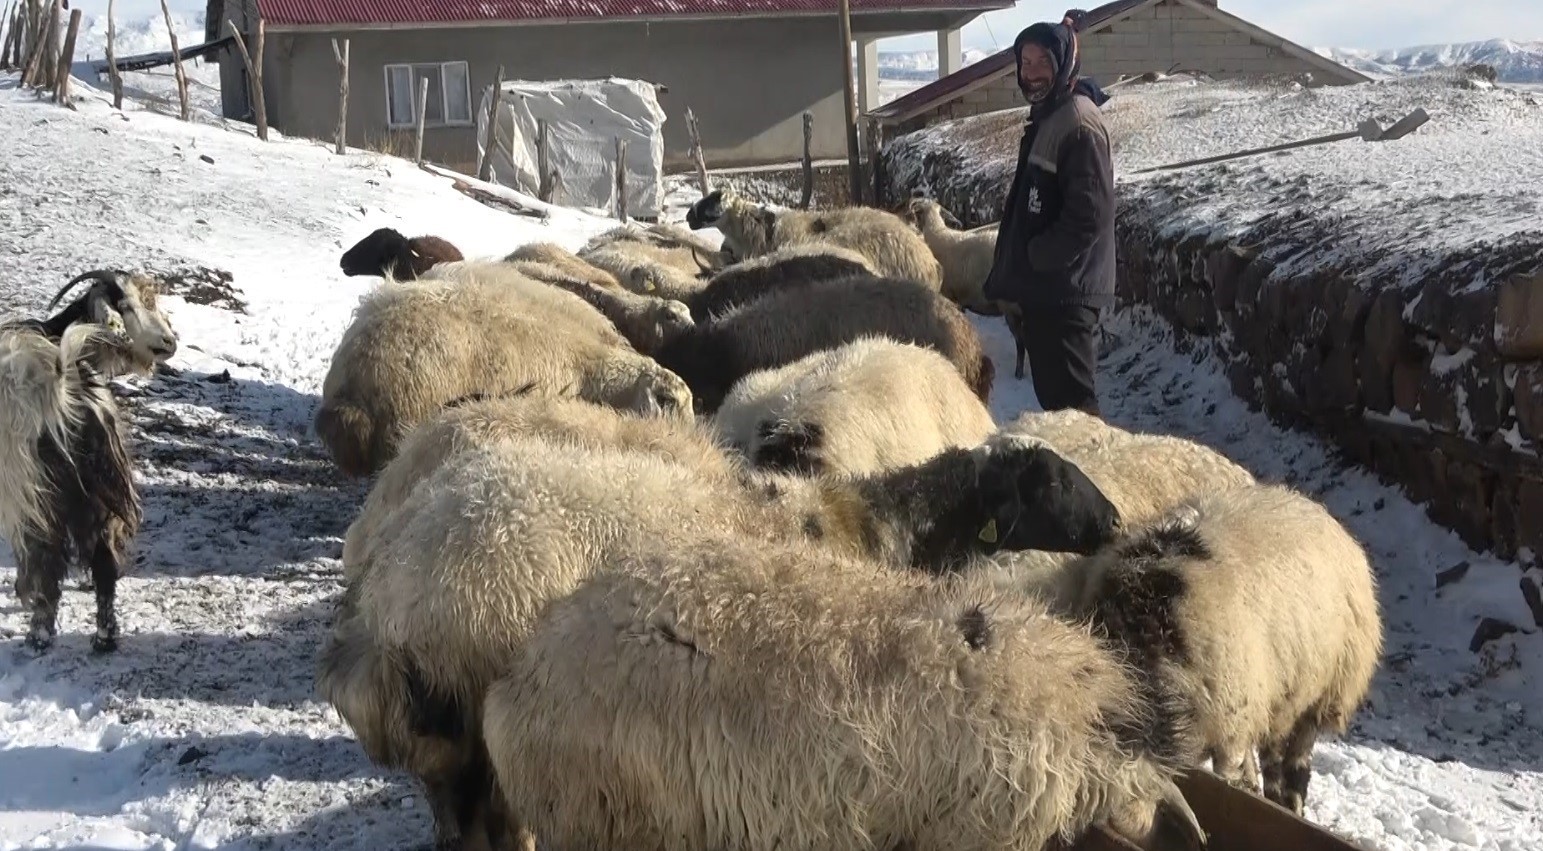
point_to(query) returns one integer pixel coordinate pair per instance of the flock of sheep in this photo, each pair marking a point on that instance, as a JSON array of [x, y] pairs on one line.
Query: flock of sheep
[[687, 547]]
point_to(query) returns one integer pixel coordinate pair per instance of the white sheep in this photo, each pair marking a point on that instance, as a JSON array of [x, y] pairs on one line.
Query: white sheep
[[790, 323], [740, 694], [448, 581], [564, 421], [66, 480], [643, 274], [1267, 601], [870, 405], [414, 347], [553, 254], [645, 321], [749, 230]]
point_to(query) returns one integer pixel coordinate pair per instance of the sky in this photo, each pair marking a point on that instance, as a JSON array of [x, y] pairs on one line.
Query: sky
[[1367, 24]]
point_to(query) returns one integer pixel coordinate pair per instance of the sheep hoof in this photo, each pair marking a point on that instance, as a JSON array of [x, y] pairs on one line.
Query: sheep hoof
[[104, 643], [39, 641]]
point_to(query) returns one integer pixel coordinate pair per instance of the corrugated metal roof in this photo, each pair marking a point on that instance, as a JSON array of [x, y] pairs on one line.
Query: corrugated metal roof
[[939, 90], [407, 12]]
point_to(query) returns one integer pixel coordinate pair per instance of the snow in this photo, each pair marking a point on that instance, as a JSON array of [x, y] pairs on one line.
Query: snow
[[1514, 61], [204, 730]]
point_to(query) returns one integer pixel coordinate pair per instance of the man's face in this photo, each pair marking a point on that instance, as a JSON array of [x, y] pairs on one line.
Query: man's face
[[1036, 74]]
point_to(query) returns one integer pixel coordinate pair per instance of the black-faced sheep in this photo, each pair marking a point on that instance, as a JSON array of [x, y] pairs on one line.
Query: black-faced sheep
[[1267, 601], [791, 323], [782, 268], [646, 321], [386, 250], [122, 302], [749, 230], [734, 694], [1144, 475], [412, 348], [66, 481], [565, 421], [447, 584], [870, 405]]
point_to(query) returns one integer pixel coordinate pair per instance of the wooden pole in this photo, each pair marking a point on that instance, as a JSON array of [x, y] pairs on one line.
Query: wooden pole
[[261, 108], [485, 162], [543, 162], [423, 111], [176, 55], [849, 97], [66, 59], [33, 44], [7, 24], [875, 163], [38, 68], [50, 57], [341, 55], [696, 149], [254, 76], [808, 196], [112, 58], [621, 178]]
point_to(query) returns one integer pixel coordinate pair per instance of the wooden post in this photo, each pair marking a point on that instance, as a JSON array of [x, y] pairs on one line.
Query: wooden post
[[543, 162], [9, 27], [849, 98], [112, 58], [254, 76], [32, 44], [66, 59], [341, 55], [876, 162], [808, 196], [621, 178], [176, 55], [49, 63], [423, 111], [35, 74], [696, 149], [485, 163]]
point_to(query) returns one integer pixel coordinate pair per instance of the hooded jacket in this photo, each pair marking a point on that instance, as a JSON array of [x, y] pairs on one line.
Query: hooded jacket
[[1055, 245]]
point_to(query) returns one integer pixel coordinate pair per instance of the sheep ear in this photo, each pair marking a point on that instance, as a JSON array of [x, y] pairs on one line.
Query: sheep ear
[[1175, 824], [788, 445], [707, 209], [1042, 501]]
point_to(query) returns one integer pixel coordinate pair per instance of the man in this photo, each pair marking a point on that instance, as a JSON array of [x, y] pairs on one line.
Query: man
[[1055, 245]]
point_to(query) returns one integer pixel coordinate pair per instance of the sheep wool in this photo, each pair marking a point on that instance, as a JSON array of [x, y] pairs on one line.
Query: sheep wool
[[786, 267], [1265, 599], [871, 405], [575, 266], [412, 348], [738, 695]]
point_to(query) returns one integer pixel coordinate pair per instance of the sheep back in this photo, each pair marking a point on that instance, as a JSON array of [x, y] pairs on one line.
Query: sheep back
[[870, 405], [553, 254], [729, 695], [787, 325], [788, 267]]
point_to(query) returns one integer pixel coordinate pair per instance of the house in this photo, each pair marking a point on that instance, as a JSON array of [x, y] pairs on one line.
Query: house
[[1127, 37], [748, 69]]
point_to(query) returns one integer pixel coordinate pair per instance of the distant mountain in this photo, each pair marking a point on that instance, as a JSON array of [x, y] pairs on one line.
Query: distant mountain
[[1514, 61], [919, 64]]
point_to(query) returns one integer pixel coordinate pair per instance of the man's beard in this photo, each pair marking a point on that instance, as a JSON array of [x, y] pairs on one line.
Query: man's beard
[[1036, 92]]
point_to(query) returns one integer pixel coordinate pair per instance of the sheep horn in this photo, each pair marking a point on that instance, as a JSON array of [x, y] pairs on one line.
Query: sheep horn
[[1180, 819], [110, 278], [706, 269]]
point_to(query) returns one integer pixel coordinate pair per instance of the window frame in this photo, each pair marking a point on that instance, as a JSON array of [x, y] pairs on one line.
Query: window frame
[[444, 94]]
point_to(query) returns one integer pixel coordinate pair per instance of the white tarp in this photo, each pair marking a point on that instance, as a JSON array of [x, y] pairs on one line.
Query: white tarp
[[584, 119]]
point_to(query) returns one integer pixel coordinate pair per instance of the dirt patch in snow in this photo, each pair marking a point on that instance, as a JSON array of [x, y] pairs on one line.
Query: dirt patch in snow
[[201, 285]]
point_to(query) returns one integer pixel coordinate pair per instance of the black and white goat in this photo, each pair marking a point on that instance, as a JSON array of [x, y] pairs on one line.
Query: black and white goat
[[66, 480]]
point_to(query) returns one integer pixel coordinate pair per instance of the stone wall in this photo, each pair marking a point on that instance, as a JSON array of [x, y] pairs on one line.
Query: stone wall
[[1438, 388]]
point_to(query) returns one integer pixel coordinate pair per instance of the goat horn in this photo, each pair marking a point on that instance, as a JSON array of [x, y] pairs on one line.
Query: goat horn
[[698, 258], [110, 277]]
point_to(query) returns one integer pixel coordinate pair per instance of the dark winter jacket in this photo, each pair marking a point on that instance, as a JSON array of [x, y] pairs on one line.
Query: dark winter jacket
[[1055, 244]]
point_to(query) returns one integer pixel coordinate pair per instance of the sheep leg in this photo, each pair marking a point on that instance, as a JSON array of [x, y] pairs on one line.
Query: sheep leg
[[1232, 763], [441, 795], [1296, 764], [41, 570], [104, 577]]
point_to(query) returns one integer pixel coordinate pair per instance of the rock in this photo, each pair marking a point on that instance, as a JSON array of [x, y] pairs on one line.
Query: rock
[[1242, 380], [1489, 629], [1529, 401], [1408, 383], [1519, 316], [1462, 317], [1466, 492], [1340, 391], [1529, 504], [1251, 282], [1192, 309], [1534, 598], [1452, 574], [1503, 526], [1385, 339], [1438, 399], [1488, 397], [1224, 268]]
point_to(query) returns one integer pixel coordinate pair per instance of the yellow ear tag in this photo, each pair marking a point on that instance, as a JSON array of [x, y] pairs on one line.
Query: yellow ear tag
[[989, 532]]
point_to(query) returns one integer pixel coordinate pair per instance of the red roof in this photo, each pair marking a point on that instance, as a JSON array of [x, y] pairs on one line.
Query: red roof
[[408, 12], [939, 90]]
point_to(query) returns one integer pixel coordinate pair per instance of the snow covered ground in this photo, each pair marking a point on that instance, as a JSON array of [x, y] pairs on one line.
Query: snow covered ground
[[203, 731]]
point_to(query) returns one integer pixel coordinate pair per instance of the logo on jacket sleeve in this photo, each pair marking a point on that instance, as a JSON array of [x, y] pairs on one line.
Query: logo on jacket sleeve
[[1034, 202]]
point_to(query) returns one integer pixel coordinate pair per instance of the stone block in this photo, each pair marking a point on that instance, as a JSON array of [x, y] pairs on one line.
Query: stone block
[[1225, 269], [1409, 385], [1488, 398], [1457, 318], [1341, 391], [1529, 402], [1519, 316], [1529, 505], [1504, 516], [1385, 341], [1438, 402]]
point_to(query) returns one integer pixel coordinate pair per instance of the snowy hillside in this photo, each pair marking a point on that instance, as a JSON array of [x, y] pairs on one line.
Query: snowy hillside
[[204, 730], [920, 64], [1514, 62], [140, 34]]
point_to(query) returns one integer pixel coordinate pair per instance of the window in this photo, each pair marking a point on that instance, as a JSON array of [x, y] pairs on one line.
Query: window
[[449, 94]]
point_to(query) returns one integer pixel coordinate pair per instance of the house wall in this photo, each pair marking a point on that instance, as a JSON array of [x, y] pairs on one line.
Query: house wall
[[1156, 38], [747, 82]]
